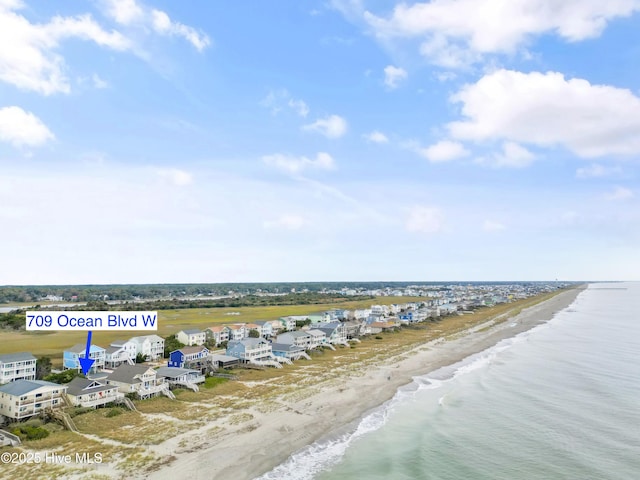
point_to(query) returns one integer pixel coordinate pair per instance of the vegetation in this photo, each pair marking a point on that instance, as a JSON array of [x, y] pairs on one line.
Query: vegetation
[[30, 432], [114, 412], [43, 367], [253, 333], [171, 343], [303, 323], [63, 377]]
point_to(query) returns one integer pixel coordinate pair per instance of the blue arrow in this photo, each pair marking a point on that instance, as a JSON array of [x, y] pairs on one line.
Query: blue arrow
[[86, 362]]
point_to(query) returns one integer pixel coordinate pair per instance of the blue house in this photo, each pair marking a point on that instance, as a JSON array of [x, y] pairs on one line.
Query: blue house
[[71, 357], [189, 357]]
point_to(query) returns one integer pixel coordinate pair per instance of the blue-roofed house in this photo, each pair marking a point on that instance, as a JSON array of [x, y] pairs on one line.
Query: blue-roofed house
[[25, 398], [17, 366], [71, 357]]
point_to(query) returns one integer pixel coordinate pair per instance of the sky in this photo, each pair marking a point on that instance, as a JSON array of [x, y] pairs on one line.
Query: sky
[[328, 140]]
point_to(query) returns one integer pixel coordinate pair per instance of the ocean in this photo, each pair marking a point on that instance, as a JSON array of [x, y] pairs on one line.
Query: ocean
[[560, 401]]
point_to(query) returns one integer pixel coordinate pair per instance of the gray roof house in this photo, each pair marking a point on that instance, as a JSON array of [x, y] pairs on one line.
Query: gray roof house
[[85, 392]]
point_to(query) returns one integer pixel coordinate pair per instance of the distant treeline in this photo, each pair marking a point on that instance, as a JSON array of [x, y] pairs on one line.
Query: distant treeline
[[16, 318], [86, 293]]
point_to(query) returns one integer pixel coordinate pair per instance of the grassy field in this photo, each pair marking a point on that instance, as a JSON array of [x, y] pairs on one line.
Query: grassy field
[[171, 322]]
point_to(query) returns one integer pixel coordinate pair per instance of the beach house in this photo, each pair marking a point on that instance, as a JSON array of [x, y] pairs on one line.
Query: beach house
[[17, 366], [318, 338], [250, 349], [299, 338], [217, 334], [289, 351], [151, 347], [139, 379], [195, 357], [289, 323], [335, 332], [71, 357], [181, 377], [22, 399], [119, 352], [238, 331], [84, 392], [191, 337]]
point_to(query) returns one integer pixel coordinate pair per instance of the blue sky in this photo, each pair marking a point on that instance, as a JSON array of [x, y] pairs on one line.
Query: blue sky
[[161, 141]]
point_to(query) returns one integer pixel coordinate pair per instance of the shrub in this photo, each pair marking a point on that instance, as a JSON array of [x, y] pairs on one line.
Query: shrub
[[378, 337], [28, 432], [114, 412]]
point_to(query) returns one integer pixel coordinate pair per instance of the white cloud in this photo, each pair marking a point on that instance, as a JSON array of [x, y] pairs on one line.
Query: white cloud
[[20, 128], [299, 106], [124, 12], [458, 32], [99, 82], [548, 110], [444, 151], [620, 193], [175, 176], [332, 126], [511, 156], [163, 25], [293, 165], [276, 100], [491, 226], [425, 220], [596, 170], [28, 57], [393, 76], [376, 137], [132, 13], [289, 222]]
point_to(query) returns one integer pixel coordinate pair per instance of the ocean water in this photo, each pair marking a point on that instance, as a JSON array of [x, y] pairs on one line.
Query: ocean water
[[561, 401]]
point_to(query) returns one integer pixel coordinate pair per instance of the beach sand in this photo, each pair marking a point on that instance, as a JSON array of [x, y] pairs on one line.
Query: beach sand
[[261, 444]]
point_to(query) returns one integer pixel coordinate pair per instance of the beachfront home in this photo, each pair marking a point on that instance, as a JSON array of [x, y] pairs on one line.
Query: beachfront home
[[223, 361], [84, 392], [71, 357], [299, 338], [181, 377], [289, 351], [377, 327], [139, 379], [189, 357], [335, 332], [267, 328], [22, 399], [17, 366], [250, 349], [318, 338], [191, 337], [254, 326], [289, 323], [237, 331], [354, 328], [217, 334], [119, 352], [150, 347]]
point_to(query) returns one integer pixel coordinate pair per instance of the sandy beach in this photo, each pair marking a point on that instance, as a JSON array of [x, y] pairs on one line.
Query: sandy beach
[[269, 438]]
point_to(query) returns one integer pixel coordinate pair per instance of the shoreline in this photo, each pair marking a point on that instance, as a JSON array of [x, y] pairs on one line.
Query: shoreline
[[271, 438]]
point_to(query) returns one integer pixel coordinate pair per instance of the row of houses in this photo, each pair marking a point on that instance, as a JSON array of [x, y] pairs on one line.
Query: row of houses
[[21, 399], [114, 373], [151, 347]]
